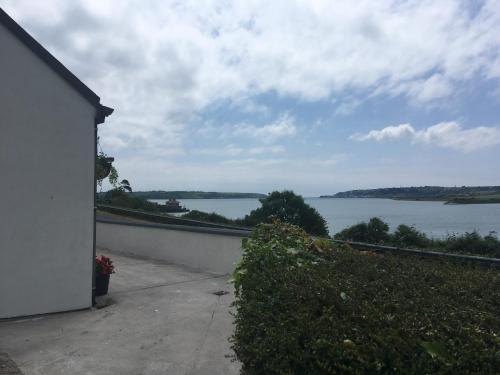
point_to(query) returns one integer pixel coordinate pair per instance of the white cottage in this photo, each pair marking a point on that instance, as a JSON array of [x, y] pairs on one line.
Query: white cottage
[[48, 127]]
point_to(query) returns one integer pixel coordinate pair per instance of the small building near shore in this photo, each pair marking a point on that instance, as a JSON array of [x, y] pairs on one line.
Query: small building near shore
[[48, 124], [173, 205]]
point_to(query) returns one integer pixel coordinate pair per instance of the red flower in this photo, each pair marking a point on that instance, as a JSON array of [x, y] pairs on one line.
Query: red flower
[[104, 265]]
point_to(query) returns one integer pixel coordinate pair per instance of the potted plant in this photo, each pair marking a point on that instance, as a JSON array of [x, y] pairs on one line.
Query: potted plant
[[103, 269]]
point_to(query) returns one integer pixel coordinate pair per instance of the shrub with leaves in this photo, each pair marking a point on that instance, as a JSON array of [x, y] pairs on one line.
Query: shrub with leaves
[[306, 307], [375, 231], [409, 236], [472, 242], [211, 217], [289, 208]]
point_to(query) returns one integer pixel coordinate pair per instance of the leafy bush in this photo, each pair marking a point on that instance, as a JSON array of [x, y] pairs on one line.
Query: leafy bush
[[211, 218], [285, 206], [289, 208], [375, 231], [305, 307], [119, 198], [409, 236], [472, 243]]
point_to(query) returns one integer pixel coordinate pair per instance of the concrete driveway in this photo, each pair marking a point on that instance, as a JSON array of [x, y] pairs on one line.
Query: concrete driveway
[[161, 319]]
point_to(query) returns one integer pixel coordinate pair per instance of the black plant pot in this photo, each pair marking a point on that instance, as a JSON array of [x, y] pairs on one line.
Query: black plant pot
[[101, 284]]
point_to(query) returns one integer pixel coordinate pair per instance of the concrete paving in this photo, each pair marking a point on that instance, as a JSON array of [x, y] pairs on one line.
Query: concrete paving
[[158, 318]]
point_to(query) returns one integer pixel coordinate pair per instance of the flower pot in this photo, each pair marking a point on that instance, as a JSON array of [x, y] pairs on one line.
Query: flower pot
[[101, 284]]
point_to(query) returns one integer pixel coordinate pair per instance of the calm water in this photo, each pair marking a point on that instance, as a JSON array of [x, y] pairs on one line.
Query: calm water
[[434, 218]]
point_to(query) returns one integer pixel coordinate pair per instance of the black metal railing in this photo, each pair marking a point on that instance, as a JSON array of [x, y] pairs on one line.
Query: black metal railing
[[421, 252]]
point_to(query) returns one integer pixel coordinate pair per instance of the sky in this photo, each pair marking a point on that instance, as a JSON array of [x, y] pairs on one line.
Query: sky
[[313, 96]]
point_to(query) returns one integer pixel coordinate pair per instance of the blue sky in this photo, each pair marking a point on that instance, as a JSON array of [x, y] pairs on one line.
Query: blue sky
[[314, 96]]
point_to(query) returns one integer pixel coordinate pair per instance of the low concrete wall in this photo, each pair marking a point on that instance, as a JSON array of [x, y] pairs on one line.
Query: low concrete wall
[[208, 249]]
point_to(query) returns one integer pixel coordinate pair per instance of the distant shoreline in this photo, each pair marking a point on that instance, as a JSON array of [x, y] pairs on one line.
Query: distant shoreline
[[448, 195], [181, 194], [214, 198], [445, 201]]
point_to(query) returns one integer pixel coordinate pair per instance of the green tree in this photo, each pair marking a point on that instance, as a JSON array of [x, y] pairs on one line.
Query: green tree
[[409, 236], [375, 231], [125, 186], [473, 243], [378, 230], [105, 169], [290, 208]]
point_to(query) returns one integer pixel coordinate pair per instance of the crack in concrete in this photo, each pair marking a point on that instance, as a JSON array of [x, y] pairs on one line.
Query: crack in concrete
[[167, 284], [204, 338]]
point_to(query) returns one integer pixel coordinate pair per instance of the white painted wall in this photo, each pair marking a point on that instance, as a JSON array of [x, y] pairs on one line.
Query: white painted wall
[[46, 187], [212, 252]]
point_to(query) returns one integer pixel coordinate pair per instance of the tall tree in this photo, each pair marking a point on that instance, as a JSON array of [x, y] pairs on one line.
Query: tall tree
[[290, 208]]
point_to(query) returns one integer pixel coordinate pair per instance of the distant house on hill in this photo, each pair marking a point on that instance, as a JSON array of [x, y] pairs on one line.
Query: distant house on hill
[[48, 123]]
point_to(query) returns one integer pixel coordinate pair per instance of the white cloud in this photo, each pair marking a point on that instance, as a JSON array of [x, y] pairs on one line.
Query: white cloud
[[445, 134], [387, 133], [255, 163], [347, 106], [453, 135], [229, 150], [328, 162], [233, 150], [427, 90], [315, 163], [159, 63], [162, 63], [267, 150], [282, 127]]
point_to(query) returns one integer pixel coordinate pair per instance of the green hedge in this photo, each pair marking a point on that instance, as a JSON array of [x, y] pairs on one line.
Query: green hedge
[[376, 231], [304, 307], [212, 217]]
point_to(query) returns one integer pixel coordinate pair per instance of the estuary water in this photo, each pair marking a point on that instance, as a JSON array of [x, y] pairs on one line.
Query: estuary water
[[436, 219]]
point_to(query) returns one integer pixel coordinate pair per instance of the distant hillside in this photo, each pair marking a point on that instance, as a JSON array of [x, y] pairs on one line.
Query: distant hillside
[[193, 195], [464, 194]]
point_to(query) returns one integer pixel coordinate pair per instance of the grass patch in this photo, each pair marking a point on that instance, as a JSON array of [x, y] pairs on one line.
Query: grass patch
[[477, 199]]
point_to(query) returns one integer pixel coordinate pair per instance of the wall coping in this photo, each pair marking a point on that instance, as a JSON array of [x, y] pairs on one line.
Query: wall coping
[[184, 228], [165, 219]]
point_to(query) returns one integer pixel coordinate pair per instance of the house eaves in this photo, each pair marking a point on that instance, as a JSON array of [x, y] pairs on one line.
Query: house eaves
[[55, 65]]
